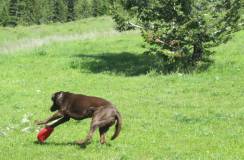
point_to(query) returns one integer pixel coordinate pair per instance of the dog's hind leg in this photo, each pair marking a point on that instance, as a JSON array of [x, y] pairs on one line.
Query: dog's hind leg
[[89, 135], [94, 125], [102, 131]]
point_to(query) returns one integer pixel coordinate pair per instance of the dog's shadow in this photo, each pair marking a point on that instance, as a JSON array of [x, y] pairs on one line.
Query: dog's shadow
[[66, 144]]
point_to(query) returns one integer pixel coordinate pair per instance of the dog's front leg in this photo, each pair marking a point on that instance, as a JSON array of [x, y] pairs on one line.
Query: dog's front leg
[[55, 116], [60, 121]]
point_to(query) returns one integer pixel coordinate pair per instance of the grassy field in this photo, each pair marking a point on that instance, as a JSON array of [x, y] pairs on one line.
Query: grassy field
[[177, 116]]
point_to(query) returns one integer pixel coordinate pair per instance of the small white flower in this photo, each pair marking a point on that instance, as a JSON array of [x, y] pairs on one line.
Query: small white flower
[[26, 129], [2, 133], [25, 120]]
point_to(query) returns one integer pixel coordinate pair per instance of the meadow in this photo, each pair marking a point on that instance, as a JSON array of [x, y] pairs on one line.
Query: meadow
[[199, 115]]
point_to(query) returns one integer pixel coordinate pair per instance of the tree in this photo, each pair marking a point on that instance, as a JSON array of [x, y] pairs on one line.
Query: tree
[[242, 14], [125, 11], [40, 11], [71, 10], [58, 11], [83, 9], [4, 14], [180, 32], [99, 7], [13, 10], [26, 12]]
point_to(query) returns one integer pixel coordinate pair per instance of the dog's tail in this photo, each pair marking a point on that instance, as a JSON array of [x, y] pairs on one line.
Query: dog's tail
[[117, 126]]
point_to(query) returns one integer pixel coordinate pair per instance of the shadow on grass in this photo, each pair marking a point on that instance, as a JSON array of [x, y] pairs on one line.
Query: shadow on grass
[[130, 64], [56, 143], [124, 63], [204, 65], [60, 144], [66, 144]]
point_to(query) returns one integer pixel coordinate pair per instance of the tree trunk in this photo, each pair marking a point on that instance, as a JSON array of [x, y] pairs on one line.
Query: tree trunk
[[197, 52]]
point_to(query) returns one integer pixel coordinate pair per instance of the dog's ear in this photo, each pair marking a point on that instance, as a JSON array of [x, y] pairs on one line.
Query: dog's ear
[[59, 97]]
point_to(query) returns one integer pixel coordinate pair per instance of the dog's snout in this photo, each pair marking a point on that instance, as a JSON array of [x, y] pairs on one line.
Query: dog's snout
[[53, 108]]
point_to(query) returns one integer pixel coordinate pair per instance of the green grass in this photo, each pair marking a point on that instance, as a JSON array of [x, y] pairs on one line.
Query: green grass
[[176, 116], [38, 31]]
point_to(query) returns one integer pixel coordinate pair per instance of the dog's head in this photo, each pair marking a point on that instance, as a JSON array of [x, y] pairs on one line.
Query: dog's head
[[57, 99]]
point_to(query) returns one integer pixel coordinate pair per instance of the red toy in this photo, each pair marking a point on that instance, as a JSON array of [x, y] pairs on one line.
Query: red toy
[[44, 134]]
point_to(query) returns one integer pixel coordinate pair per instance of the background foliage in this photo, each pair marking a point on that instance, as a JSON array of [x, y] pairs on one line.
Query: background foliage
[[27, 12], [171, 117]]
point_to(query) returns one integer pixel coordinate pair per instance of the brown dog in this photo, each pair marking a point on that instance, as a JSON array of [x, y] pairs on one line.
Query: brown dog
[[78, 107]]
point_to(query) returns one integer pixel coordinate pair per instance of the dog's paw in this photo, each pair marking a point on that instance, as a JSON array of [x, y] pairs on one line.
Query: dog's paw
[[102, 142], [38, 122], [80, 142]]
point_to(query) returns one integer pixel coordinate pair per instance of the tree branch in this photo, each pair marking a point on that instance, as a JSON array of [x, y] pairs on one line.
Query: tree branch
[[134, 25]]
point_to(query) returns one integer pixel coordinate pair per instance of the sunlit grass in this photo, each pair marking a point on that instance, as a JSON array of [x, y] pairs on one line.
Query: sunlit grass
[[176, 116]]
